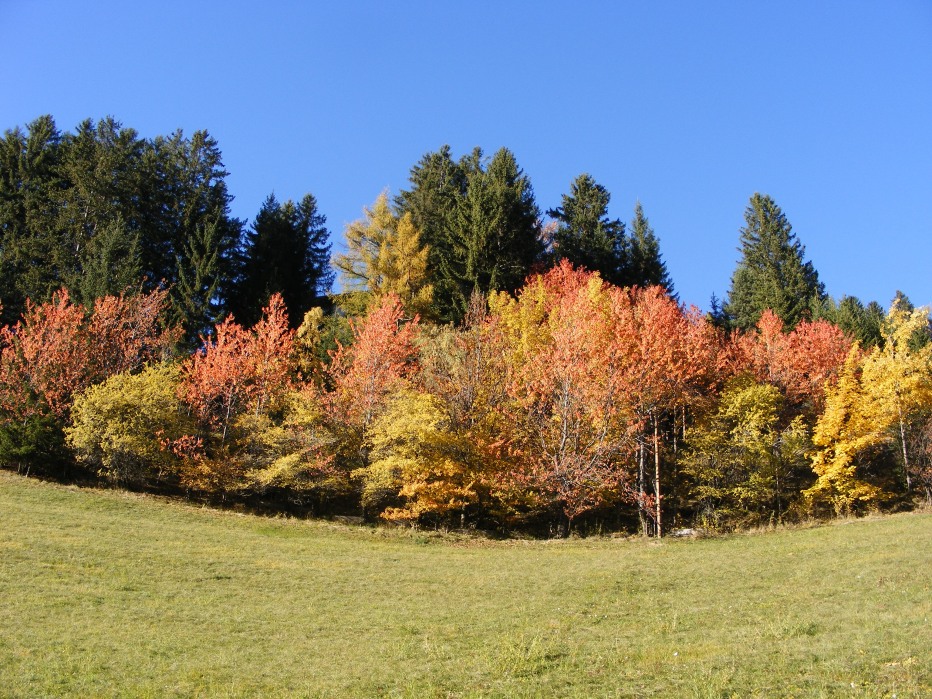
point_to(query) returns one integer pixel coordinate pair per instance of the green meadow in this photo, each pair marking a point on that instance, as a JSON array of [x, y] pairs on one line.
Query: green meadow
[[109, 594]]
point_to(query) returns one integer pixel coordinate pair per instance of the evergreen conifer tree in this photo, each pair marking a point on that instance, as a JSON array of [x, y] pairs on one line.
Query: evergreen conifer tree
[[479, 221], [645, 267], [585, 235], [286, 252], [772, 272], [496, 231]]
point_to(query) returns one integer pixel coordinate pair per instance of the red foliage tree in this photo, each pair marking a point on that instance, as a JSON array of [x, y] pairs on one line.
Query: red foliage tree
[[56, 351], [126, 333], [568, 385], [574, 393], [44, 359], [237, 368], [800, 363], [378, 362]]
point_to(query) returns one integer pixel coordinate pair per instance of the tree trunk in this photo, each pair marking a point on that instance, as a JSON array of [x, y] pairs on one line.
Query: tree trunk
[[642, 515], [657, 474], [899, 410]]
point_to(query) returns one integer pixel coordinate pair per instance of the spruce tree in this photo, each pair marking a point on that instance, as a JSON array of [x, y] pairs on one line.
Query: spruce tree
[[286, 252], [645, 267], [99, 212], [190, 240], [585, 235], [479, 221], [772, 272], [31, 249], [438, 184], [496, 231]]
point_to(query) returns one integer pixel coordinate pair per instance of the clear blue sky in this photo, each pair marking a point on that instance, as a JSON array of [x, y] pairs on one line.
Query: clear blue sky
[[688, 106]]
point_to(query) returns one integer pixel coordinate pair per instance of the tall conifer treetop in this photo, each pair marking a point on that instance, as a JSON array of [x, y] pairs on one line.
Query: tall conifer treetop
[[585, 236], [479, 221], [644, 264], [772, 272]]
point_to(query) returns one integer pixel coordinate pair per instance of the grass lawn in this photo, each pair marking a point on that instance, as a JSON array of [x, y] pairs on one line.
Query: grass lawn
[[112, 594]]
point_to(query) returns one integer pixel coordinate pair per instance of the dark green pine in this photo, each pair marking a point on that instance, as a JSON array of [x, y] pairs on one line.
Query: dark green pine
[[772, 272], [585, 235], [286, 252], [645, 266]]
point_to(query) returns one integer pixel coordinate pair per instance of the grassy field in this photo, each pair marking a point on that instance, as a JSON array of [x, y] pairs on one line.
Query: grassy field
[[110, 594]]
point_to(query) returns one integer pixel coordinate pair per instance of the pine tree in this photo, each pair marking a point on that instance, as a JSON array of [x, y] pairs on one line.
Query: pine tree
[[98, 212], [585, 236], [479, 222], [863, 323], [496, 231], [30, 247], [187, 207], [286, 252], [771, 273], [644, 264], [438, 184]]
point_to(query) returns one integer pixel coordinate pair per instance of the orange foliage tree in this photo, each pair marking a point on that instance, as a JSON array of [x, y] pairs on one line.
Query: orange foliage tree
[[238, 369], [675, 357], [801, 363], [57, 350], [569, 385], [363, 375]]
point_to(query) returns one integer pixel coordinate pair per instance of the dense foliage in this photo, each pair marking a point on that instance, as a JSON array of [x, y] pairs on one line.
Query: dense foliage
[[480, 368]]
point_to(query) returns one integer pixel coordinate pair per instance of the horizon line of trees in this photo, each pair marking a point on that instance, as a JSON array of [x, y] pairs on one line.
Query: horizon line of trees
[[479, 367]]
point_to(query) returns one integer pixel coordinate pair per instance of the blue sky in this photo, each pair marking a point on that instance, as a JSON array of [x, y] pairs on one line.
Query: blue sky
[[690, 107]]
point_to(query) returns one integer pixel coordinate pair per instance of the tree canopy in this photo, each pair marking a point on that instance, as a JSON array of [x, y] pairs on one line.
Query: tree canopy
[[772, 272]]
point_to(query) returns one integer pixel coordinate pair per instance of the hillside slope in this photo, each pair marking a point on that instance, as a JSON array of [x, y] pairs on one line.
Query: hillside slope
[[112, 594]]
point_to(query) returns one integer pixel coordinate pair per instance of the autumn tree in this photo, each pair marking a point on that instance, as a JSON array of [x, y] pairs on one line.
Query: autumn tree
[[385, 257], [900, 373], [569, 387], [363, 375], [801, 362], [664, 367], [868, 417], [128, 428], [851, 444], [743, 461], [418, 462], [56, 351], [239, 370]]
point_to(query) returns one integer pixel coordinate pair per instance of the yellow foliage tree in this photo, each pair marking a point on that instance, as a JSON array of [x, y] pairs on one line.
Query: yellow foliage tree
[[418, 461], [385, 256], [295, 452], [899, 372], [126, 427], [868, 411], [848, 435], [741, 460]]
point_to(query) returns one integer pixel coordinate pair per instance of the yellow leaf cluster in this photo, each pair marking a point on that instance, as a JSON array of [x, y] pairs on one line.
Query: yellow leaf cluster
[[875, 393], [122, 426], [385, 256], [417, 459]]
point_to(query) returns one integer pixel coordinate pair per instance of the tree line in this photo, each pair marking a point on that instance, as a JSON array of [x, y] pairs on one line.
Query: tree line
[[479, 368]]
